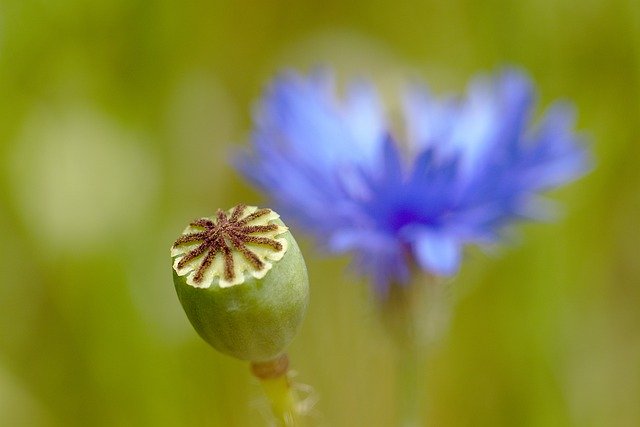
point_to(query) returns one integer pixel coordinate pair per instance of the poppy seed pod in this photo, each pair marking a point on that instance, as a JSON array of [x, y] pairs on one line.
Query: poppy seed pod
[[242, 281]]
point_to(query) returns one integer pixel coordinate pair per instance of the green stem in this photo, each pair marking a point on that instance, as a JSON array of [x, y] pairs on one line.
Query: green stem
[[275, 381], [415, 316], [411, 387], [282, 400]]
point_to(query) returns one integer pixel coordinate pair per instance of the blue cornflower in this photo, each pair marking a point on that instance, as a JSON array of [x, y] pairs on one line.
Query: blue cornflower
[[464, 168]]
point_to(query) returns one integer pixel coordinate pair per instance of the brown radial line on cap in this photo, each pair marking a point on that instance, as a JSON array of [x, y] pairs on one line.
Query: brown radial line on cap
[[257, 214], [195, 253], [222, 218], [190, 238], [263, 241], [205, 264], [203, 223], [259, 228], [229, 273], [248, 255], [237, 211]]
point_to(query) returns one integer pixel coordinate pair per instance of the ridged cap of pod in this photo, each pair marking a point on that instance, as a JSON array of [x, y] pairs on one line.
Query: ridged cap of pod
[[242, 281]]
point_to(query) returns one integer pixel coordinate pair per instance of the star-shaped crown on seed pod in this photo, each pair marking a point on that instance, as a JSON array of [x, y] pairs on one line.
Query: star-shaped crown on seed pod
[[235, 244]]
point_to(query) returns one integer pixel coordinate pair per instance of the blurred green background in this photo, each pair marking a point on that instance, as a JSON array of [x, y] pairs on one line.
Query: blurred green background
[[117, 119]]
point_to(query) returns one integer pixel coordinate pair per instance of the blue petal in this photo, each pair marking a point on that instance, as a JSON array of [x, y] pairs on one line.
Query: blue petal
[[491, 120], [379, 256], [429, 121], [392, 163], [364, 116], [437, 253], [556, 155]]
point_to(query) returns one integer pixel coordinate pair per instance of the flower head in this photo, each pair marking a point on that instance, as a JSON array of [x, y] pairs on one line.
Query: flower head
[[466, 167]]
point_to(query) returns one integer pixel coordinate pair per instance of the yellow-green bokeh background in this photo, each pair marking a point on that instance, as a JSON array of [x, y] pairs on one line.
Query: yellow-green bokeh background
[[117, 118]]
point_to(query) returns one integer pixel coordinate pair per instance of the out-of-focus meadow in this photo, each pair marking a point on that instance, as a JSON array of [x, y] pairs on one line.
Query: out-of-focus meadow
[[117, 121]]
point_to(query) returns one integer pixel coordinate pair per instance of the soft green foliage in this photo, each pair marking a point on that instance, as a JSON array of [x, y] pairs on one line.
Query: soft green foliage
[[255, 320], [116, 121]]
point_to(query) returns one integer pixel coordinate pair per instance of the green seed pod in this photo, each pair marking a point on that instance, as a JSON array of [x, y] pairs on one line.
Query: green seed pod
[[242, 282]]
